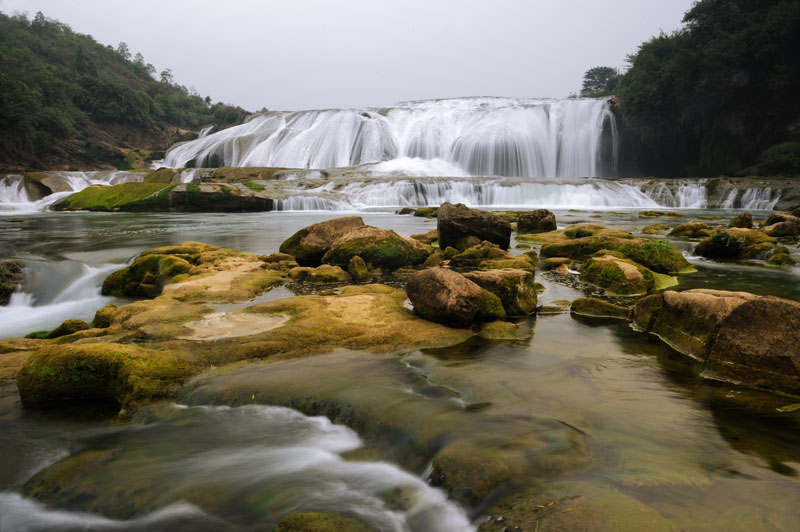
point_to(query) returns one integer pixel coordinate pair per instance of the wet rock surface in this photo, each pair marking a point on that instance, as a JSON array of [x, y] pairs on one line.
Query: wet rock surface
[[458, 222]]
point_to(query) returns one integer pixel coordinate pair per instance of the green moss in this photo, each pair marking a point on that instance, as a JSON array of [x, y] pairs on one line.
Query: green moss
[[252, 185], [67, 328], [192, 187], [40, 335], [317, 522], [146, 277], [597, 308], [124, 197], [162, 175]]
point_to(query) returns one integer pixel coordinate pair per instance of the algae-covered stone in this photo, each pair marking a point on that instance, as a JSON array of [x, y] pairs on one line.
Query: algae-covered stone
[[455, 222], [427, 212], [327, 274], [618, 276], [597, 308], [538, 221], [427, 238], [468, 473], [101, 372], [488, 256], [780, 258], [308, 245], [10, 277], [551, 263], [659, 214], [449, 252], [379, 247], [691, 230], [68, 327], [146, 277], [743, 220], [358, 269], [735, 243], [447, 297], [319, 522], [504, 330], [103, 317], [655, 229], [583, 240], [514, 287]]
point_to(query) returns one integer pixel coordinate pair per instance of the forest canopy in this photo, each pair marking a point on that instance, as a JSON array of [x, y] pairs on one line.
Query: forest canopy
[[64, 98]]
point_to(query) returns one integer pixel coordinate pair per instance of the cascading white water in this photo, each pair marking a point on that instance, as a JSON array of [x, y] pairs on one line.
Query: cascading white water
[[480, 136]]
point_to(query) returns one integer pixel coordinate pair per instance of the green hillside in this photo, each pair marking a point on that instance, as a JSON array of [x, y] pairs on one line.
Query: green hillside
[[69, 101]]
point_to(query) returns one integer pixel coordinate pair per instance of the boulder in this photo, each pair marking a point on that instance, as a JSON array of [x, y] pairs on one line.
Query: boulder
[[620, 277], [447, 297], [68, 327], [735, 243], [597, 308], [691, 230], [104, 317], [146, 277], [10, 277], [514, 287], [358, 269], [689, 320], [655, 229], [487, 256], [780, 258], [379, 247], [309, 245], [744, 220], [328, 274], [551, 263], [758, 345], [538, 221], [427, 238], [456, 222], [787, 228], [427, 212]]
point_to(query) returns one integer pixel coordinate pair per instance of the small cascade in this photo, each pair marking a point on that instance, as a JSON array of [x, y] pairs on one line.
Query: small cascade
[[477, 136], [753, 199], [14, 195]]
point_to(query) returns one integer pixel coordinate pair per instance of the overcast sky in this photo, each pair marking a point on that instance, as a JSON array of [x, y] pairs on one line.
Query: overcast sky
[[308, 54]]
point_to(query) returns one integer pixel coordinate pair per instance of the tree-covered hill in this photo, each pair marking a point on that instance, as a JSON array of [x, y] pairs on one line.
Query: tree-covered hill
[[68, 101], [720, 95]]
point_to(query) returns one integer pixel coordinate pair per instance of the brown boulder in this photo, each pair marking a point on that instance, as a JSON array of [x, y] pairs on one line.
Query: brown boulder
[[308, 245], [515, 288], [447, 297], [379, 247], [538, 221], [455, 222]]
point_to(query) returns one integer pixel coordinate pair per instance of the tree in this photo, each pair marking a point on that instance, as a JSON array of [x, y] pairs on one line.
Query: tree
[[600, 81], [122, 49], [139, 58], [166, 76]]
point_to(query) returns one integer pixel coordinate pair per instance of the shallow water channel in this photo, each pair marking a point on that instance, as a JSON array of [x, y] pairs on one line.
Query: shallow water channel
[[592, 406]]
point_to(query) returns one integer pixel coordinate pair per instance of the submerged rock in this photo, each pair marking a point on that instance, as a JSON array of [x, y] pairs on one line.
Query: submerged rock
[[655, 229], [309, 245], [456, 222], [447, 297], [379, 247], [538, 221], [514, 287], [488, 256], [318, 522], [10, 277], [780, 258], [597, 308], [742, 338], [620, 277], [691, 230], [504, 330]]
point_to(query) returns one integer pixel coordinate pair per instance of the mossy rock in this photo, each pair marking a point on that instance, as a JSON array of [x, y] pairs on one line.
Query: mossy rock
[[735, 243], [744, 220], [380, 247], [597, 308], [469, 473], [101, 372], [659, 214], [691, 230], [582, 241], [427, 212], [504, 330], [551, 263], [146, 277], [10, 277], [655, 229], [103, 317], [514, 287], [309, 245], [319, 522], [150, 197], [780, 260], [447, 297], [488, 256], [618, 276], [327, 274], [68, 327], [162, 175], [358, 269]]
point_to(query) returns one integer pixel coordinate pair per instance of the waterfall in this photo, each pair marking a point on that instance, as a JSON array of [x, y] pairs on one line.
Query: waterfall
[[476, 136]]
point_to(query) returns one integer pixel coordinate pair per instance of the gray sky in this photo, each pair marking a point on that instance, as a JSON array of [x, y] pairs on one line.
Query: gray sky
[[307, 54]]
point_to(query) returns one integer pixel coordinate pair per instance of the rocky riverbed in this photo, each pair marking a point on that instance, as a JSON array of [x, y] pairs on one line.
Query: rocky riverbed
[[538, 377]]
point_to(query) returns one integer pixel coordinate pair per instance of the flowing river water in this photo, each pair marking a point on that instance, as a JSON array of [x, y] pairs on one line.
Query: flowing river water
[[592, 406]]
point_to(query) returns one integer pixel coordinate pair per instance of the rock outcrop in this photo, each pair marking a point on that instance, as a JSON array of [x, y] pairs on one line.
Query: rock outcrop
[[457, 223], [10, 277], [735, 243], [379, 247], [447, 297], [309, 245], [620, 277], [740, 337]]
